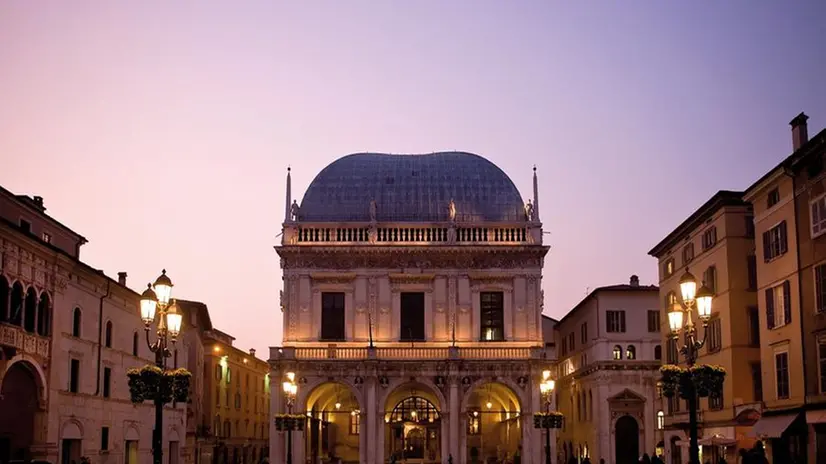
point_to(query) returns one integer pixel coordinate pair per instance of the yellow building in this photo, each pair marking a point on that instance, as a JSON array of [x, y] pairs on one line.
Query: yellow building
[[716, 245], [236, 400]]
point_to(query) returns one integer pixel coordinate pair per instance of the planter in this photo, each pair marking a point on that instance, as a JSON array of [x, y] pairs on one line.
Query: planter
[[151, 383], [670, 380], [178, 381], [708, 379], [702, 379], [548, 420], [287, 422]]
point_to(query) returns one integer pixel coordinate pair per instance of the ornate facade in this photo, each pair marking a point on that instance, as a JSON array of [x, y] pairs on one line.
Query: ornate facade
[[68, 333], [412, 313]]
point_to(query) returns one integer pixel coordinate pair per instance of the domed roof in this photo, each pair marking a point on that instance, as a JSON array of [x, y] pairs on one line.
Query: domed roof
[[413, 188]]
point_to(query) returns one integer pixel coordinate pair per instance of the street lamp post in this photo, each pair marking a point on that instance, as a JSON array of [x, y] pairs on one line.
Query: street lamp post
[[290, 390], [701, 301], [156, 298], [546, 389]]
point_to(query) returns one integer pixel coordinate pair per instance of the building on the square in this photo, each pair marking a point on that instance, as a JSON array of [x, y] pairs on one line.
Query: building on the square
[[68, 333], [412, 312], [715, 244], [788, 209], [236, 401], [609, 350], [196, 321]]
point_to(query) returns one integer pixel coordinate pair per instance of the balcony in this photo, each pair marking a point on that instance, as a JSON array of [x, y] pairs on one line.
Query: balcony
[[680, 419], [407, 353], [12, 336]]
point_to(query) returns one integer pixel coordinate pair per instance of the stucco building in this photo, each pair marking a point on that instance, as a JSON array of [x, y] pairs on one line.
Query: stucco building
[[68, 333], [715, 244], [236, 401], [609, 349], [412, 312]]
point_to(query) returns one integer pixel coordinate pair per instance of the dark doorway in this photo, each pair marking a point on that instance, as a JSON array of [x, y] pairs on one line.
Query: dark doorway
[[627, 441], [412, 317], [18, 406]]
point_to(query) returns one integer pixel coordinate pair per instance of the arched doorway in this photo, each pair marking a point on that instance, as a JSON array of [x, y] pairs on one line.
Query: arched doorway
[[335, 422], [413, 425], [627, 440], [492, 427], [18, 407]]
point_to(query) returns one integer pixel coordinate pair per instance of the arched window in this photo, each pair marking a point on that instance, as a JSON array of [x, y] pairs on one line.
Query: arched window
[[44, 315], [660, 420], [670, 300], [590, 405], [16, 308], [414, 409], [4, 299], [658, 352], [76, 323], [216, 427], [135, 344], [30, 314], [617, 352], [227, 429], [108, 336], [631, 352]]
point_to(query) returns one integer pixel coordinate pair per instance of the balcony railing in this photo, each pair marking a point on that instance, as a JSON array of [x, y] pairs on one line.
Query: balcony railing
[[24, 342], [681, 418], [360, 234], [401, 353]]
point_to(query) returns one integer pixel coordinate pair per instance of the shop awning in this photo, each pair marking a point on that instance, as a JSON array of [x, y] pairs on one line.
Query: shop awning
[[717, 440], [772, 426], [816, 417]]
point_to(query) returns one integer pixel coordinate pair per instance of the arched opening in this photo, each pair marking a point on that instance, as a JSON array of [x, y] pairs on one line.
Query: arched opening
[[44, 315], [16, 308], [631, 352], [108, 335], [18, 407], [658, 353], [29, 315], [76, 319], [617, 352], [412, 425], [627, 440], [492, 424], [4, 299], [335, 424]]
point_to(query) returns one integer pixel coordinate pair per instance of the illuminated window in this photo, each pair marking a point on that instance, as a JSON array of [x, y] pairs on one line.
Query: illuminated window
[[355, 422], [492, 312], [631, 352], [660, 420], [617, 352]]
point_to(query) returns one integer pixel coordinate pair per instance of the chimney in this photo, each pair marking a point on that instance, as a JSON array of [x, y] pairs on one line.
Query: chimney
[[122, 278], [635, 281], [800, 131], [252, 352], [38, 201]]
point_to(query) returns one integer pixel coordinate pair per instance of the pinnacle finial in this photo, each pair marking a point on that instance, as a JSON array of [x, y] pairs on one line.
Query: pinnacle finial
[[288, 168], [534, 168]]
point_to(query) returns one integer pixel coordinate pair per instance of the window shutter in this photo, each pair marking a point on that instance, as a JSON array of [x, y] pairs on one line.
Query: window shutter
[[787, 301], [784, 245], [815, 210], [769, 309], [766, 247]]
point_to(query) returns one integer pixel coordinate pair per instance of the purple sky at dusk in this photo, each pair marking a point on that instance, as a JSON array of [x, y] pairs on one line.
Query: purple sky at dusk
[[162, 131]]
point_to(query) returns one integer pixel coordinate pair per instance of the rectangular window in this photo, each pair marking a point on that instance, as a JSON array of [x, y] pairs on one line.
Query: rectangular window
[[751, 265], [778, 305], [668, 268], [710, 278], [572, 341], [355, 423], [653, 320], [492, 312], [757, 381], [775, 242], [25, 226], [671, 354], [104, 438], [583, 333], [781, 372], [714, 335], [219, 372], [218, 396], [615, 321], [820, 288], [332, 316], [74, 375], [412, 317], [754, 325], [709, 238], [688, 253], [818, 216], [107, 382], [715, 403], [749, 226], [773, 198], [47, 237], [821, 353]]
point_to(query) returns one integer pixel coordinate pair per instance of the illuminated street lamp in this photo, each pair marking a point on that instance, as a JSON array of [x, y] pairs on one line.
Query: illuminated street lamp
[[290, 390], [546, 389], [156, 299], [701, 300]]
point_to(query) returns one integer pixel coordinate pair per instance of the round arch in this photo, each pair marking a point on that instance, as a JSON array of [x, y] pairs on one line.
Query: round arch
[[334, 420], [34, 368], [491, 421], [72, 429], [21, 410], [504, 388], [412, 421], [309, 393], [400, 387]]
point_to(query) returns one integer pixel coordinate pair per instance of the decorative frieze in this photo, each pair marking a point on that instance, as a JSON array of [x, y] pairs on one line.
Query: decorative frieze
[[332, 278]]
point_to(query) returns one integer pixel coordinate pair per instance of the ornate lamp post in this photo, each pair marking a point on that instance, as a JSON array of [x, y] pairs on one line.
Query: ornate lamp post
[[546, 389], [701, 300], [290, 390], [156, 298]]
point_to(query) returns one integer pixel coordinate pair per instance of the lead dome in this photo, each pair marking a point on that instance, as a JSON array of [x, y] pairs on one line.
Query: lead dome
[[412, 188]]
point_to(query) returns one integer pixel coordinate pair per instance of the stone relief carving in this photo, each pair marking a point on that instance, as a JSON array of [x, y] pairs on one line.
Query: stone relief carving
[[336, 258], [293, 302], [531, 302]]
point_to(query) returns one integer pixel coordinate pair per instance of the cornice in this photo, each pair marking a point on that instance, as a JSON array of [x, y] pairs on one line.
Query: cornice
[[423, 278], [332, 277]]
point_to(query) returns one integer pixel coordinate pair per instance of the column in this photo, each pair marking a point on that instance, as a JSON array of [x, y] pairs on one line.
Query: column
[[371, 452], [277, 440], [454, 417]]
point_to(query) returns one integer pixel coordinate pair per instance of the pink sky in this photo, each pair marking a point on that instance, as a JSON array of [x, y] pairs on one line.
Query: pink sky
[[162, 132]]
